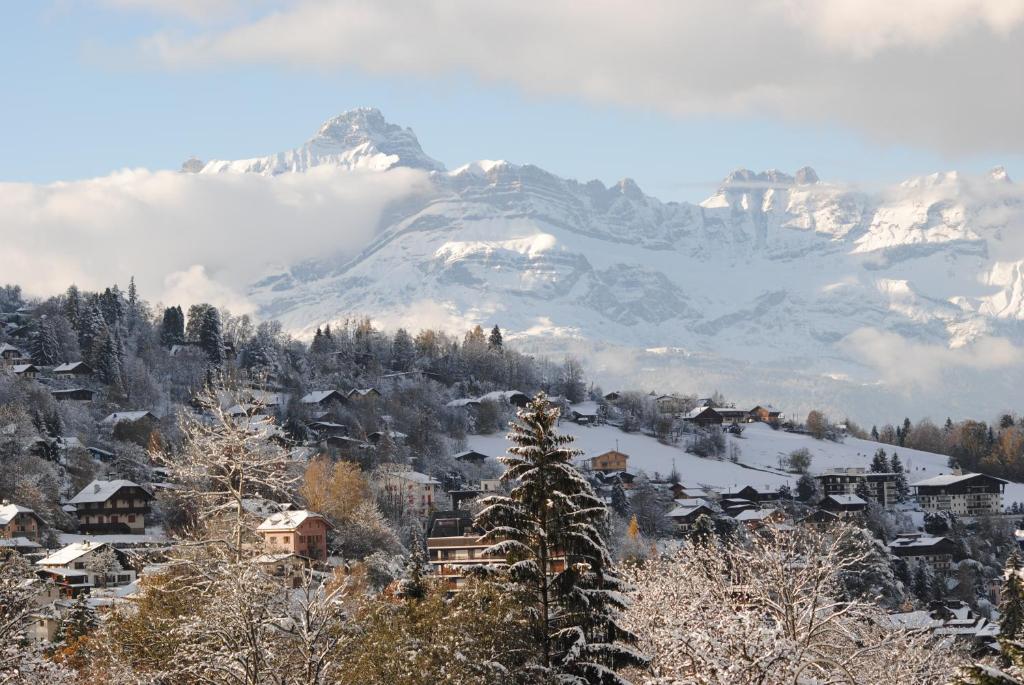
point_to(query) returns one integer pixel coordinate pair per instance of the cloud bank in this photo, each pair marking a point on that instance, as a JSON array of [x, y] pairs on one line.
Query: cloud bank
[[938, 73], [185, 237]]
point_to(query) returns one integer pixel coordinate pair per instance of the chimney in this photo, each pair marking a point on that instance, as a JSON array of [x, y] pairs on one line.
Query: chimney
[[96, 487], [6, 502]]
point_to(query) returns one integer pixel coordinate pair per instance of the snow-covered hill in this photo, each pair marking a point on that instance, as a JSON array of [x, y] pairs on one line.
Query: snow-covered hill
[[778, 287]]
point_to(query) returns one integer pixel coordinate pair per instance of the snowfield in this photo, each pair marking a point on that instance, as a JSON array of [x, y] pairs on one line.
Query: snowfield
[[760, 449]]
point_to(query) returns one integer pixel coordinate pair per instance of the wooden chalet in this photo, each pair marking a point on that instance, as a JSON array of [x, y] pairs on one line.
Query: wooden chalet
[[112, 506], [71, 370], [703, 417], [610, 461], [74, 395]]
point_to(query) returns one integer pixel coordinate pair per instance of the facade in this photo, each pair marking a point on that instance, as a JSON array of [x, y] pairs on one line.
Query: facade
[[454, 546], [732, 415], [73, 569], [112, 506], [11, 355], [937, 552], [968, 494], [299, 532], [610, 461], [73, 395], [415, 492], [703, 416], [69, 370], [845, 506], [670, 404], [765, 414], [882, 487], [19, 522]]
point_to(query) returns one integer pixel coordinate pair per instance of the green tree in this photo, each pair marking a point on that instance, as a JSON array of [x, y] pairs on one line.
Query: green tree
[[1011, 604], [494, 341], [548, 529]]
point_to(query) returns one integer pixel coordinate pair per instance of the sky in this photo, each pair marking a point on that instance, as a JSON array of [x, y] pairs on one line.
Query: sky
[[673, 95]]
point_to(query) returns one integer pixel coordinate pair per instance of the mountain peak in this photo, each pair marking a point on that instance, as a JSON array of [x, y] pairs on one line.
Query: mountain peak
[[366, 130]]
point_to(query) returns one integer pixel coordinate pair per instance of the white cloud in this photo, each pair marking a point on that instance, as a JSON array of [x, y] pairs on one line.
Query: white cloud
[[187, 237], [936, 72]]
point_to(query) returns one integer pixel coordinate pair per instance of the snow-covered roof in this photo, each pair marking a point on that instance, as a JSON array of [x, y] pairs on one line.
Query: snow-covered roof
[[119, 416], [22, 368], [65, 556], [363, 392], [462, 402], [288, 520], [417, 477], [502, 395], [318, 396], [683, 512], [951, 478], [696, 411], [68, 367], [101, 491], [916, 541], [273, 558], [9, 511], [754, 514], [7, 347], [848, 500], [18, 543]]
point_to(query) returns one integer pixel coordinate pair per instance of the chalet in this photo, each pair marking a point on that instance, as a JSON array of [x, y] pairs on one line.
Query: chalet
[[881, 487], [73, 569], [119, 416], [25, 370], [463, 403], [100, 454], [471, 457], [410, 490], [324, 399], [755, 519], [11, 355], [765, 414], [703, 417], [363, 394], [513, 397], [19, 544], [298, 531], [685, 516], [73, 395], [454, 547], [820, 518], [968, 494], [752, 494], [19, 522], [378, 437], [325, 429], [285, 565], [613, 397], [732, 415], [732, 506], [584, 417], [937, 552], [70, 370], [112, 506], [844, 506], [623, 478], [670, 404], [610, 461]]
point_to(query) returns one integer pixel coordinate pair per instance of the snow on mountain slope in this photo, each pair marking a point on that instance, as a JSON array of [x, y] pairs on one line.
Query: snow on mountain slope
[[758, 465], [776, 286]]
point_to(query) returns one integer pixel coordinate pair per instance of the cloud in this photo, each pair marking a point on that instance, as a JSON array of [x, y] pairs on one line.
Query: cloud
[[939, 73], [189, 237], [903, 363]]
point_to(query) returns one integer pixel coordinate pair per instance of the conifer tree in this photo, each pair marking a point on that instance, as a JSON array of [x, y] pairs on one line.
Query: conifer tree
[[703, 530], [880, 462], [73, 305], [106, 360], [210, 337], [415, 584], [547, 528], [922, 582], [874, 433], [902, 487], [494, 341], [620, 502], [1011, 604], [77, 623], [45, 348], [863, 491], [172, 328]]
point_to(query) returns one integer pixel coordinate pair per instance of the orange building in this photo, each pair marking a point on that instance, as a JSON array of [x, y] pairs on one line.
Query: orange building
[[298, 532], [610, 461], [19, 522]]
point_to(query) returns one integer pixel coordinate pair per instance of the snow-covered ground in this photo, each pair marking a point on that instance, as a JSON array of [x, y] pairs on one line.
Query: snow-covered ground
[[758, 465], [153, 536]]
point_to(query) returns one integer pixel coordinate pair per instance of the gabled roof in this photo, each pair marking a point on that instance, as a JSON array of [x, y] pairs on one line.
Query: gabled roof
[[69, 367], [23, 368], [7, 347], [102, 490], [847, 500], [19, 543], [684, 512], [697, 411], [470, 455], [950, 479], [318, 396], [363, 392], [9, 511], [910, 541], [119, 416], [417, 477], [288, 520], [65, 556]]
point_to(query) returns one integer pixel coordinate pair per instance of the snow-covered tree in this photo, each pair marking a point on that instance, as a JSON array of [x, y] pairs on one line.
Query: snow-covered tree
[[547, 528], [45, 347], [494, 340], [1011, 603], [879, 462], [103, 564], [774, 610]]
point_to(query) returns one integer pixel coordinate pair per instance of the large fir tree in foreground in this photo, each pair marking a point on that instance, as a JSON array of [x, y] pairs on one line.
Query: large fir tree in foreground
[[548, 529]]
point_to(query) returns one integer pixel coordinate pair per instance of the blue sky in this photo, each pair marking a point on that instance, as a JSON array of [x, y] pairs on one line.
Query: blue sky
[[81, 101]]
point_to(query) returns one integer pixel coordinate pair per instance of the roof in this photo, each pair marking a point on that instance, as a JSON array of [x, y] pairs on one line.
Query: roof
[[22, 368], [73, 551], [274, 558], [697, 411], [119, 416], [847, 500], [363, 392], [499, 395], [470, 455], [683, 512], [755, 514], [288, 520], [462, 402], [9, 511], [951, 478], [18, 543], [7, 347], [417, 477], [318, 396], [67, 367], [101, 491], [917, 541]]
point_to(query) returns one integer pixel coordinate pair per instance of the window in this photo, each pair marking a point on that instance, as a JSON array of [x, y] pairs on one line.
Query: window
[[131, 518], [286, 539]]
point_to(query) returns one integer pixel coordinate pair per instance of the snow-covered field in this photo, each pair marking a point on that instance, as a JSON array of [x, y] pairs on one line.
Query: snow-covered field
[[760, 449]]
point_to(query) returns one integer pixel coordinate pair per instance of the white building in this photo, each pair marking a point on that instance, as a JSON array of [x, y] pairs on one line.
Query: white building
[[413, 491], [963, 494]]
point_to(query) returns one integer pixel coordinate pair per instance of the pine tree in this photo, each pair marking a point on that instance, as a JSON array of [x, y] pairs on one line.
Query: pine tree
[[922, 582], [210, 338], [874, 433], [902, 487], [863, 491], [79, 621], [494, 341], [73, 305], [317, 346], [107, 362], [91, 325], [548, 531], [620, 502], [403, 351], [415, 584], [703, 530], [1011, 604], [45, 348], [880, 462], [172, 328]]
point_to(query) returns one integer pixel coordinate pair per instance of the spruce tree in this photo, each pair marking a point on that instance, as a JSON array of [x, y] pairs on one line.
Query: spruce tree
[[880, 462], [210, 338], [863, 491], [107, 362], [620, 502], [922, 582], [703, 530], [1011, 603], [79, 621], [73, 305], [874, 433], [415, 584], [902, 487], [172, 328], [547, 529], [45, 348], [494, 341]]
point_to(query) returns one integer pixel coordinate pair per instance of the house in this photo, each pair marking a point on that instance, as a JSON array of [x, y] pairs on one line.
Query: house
[[881, 487], [25, 370], [732, 415], [752, 494], [471, 457], [182, 349], [70, 370], [73, 395], [363, 394], [623, 478], [74, 569], [11, 355], [286, 565], [820, 519], [325, 429], [324, 399], [298, 531], [670, 404], [766, 414], [513, 397], [967, 494], [377, 437], [937, 552], [463, 403], [119, 416], [685, 516], [454, 547], [99, 454], [17, 521], [703, 417], [584, 416], [613, 397], [610, 461], [264, 402], [755, 519], [112, 506], [844, 506], [410, 490]]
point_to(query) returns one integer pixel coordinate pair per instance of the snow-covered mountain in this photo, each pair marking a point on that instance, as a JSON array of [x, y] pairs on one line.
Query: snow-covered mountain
[[775, 286]]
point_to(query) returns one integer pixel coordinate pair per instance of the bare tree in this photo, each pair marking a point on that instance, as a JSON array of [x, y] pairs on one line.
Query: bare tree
[[773, 610], [225, 459]]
